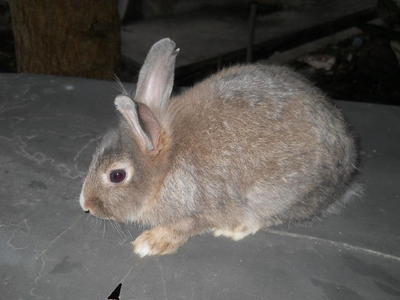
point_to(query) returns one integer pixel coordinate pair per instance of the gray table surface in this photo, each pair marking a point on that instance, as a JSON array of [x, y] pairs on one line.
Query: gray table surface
[[49, 249]]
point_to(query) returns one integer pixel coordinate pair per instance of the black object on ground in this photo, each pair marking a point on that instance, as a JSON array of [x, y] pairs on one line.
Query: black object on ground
[[115, 294]]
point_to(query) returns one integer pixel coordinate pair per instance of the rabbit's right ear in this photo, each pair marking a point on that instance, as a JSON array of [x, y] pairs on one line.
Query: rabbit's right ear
[[156, 77]]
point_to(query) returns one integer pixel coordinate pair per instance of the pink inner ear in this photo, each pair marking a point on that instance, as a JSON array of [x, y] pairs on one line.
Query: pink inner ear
[[150, 123]]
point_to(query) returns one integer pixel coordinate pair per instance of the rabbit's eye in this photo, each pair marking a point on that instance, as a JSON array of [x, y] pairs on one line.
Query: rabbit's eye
[[117, 176]]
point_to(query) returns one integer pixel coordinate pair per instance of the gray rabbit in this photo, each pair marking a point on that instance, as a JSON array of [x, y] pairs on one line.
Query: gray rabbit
[[249, 147]]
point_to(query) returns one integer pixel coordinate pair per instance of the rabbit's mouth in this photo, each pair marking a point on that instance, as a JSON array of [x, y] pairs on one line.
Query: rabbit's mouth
[[94, 206], [102, 215], [99, 214]]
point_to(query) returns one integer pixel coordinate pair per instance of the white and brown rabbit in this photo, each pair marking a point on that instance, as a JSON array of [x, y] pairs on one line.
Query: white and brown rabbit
[[249, 147]]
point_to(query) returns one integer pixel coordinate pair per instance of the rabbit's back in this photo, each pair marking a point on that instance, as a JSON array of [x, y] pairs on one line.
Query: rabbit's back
[[264, 138]]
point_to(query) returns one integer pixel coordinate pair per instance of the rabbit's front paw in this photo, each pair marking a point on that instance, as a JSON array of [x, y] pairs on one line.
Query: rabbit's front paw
[[157, 241]]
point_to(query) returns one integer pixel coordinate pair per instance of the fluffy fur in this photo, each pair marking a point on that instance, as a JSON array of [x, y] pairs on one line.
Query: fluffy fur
[[249, 147]]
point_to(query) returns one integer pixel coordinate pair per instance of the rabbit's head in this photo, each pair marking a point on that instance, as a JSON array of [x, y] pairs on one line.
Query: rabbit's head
[[129, 163]]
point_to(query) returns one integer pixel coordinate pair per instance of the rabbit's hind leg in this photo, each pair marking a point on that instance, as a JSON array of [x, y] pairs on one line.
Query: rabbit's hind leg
[[238, 232]]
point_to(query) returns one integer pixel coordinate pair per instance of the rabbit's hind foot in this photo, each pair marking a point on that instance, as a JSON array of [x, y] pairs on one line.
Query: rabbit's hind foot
[[237, 233]]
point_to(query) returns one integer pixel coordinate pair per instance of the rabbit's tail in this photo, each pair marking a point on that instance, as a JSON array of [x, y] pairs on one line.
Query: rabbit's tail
[[353, 191], [323, 201]]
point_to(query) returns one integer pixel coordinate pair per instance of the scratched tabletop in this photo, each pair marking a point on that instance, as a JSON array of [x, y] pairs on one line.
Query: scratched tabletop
[[49, 249]]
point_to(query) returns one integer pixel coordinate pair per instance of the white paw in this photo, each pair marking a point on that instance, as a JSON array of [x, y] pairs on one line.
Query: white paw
[[156, 242], [236, 234], [222, 232], [142, 248]]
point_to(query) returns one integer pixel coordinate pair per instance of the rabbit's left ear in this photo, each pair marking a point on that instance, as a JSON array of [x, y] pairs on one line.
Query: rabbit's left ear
[[156, 77], [145, 127]]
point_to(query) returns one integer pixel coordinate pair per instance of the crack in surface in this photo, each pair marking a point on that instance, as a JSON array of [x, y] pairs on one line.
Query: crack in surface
[[337, 244], [42, 255], [25, 229], [164, 283], [40, 158], [84, 147]]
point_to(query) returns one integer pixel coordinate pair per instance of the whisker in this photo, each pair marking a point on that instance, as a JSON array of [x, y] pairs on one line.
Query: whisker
[[122, 233], [104, 229], [120, 86], [113, 224], [130, 233]]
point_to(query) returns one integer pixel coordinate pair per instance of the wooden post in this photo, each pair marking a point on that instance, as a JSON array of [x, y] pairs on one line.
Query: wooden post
[[73, 38]]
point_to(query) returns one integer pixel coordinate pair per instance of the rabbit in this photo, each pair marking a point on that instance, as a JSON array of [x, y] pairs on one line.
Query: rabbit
[[249, 147]]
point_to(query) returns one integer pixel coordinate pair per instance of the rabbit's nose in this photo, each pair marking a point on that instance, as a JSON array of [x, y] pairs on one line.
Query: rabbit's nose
[[82, 202]]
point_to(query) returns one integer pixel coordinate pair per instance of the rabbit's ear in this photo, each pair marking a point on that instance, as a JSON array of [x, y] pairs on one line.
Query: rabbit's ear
[[156, 77], [144, 125]]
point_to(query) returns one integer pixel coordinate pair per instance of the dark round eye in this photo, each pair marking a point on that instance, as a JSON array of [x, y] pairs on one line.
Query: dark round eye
[[117, 176]]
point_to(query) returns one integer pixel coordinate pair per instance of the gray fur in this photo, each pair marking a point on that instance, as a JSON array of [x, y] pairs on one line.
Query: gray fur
[[249, 147]]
